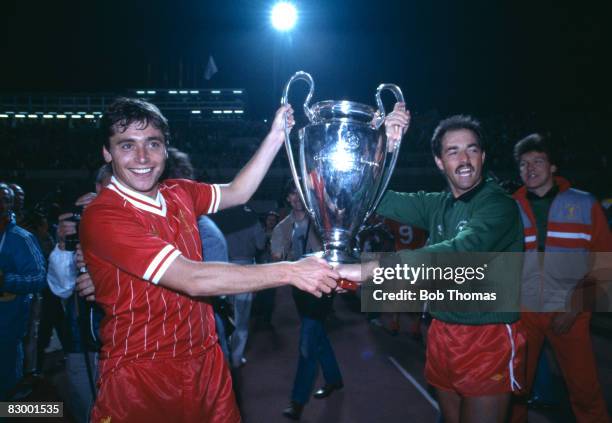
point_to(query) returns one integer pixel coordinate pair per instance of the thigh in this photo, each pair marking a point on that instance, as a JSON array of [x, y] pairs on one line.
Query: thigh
[[209, 396], [450, 405], [574, 352], [485, 409]]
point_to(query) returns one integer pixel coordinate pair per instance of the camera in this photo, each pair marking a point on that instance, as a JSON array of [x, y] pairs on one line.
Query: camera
[[71, 241]]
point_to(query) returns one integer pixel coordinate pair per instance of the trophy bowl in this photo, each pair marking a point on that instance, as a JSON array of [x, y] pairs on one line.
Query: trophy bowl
[[345, 165]]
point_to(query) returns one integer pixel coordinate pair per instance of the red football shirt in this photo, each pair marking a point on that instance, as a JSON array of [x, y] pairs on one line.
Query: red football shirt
[[406, 237], [129, 240]]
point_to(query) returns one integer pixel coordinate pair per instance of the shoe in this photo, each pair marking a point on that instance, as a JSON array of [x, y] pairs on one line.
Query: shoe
[[294, 411], [327, 390]]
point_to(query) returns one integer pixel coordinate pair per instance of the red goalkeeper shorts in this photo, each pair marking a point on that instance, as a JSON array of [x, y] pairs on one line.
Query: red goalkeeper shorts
[[197, 389], [476, 360]]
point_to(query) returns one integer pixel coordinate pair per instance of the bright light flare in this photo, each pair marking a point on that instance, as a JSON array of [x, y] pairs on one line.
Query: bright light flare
[[284, 16]]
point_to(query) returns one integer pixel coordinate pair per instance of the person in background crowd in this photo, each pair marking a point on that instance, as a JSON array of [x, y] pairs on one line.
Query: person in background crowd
[[562, 225], [82, 318], [292, 238], [18, 203], [406, 237], [245, 238], [22, 273], [36, 223], [263, 305], [214, 245]]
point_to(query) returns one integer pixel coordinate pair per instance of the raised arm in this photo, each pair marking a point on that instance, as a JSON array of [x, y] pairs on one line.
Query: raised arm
[[244, 185]]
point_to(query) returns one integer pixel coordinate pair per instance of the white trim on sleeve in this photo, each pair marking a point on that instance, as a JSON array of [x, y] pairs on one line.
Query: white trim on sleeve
[[164, 267], [155, 263], [215, 200]]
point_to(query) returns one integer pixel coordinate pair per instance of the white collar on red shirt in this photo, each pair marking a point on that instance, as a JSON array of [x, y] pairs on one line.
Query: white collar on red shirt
[[140, 201]]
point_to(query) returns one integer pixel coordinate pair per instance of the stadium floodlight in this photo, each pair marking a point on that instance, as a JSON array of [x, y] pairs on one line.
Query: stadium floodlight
[[76, 116], [238, 112], [173, 92], [217, 112], [47, 116], [194, 92], [140, 92], [20, 116], [283, 16], [196, 112], [61, 116], [32, 116], [227, 112], [151, 92], [215, 92], [183, 92], [3, 116], [89, 116], [237, 91]]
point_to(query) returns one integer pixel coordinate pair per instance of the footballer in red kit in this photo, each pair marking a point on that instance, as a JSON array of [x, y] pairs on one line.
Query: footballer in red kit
[[160, 360]]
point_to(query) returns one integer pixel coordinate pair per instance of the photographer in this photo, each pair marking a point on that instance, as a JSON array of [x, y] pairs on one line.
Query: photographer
[[67, 273]]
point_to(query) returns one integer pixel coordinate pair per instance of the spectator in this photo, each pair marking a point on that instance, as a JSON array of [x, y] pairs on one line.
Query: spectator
[[562, 225], [292, 238], [22, 273]]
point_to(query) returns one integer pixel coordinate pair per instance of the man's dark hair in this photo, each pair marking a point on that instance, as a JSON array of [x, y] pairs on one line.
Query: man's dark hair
[[455, 123], [533, 142], [289, 188], [178, 165], [123, 112]]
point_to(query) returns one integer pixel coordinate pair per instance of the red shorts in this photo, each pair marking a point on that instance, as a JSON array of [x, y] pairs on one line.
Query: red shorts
[[476, 360], [195, 389]]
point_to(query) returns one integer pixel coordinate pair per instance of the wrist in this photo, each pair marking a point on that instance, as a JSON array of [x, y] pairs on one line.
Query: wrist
[[276, 136], [283, 273]]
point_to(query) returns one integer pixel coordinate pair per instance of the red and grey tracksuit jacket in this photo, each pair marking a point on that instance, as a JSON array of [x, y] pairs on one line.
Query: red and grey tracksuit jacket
[[576, 226]]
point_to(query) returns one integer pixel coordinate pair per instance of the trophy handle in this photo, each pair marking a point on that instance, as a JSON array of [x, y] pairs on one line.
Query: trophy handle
[[304, 76], [379, 121]]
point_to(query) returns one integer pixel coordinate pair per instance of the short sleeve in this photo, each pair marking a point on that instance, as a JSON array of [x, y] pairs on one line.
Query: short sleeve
[[206, 197], [114, 235]]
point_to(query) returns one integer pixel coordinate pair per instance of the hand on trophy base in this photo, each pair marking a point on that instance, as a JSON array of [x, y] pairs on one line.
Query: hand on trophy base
[[345, 285]]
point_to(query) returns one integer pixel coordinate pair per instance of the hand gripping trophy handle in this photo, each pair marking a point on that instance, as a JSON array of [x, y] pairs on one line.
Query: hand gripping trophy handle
[[378, 123], [304, 76]]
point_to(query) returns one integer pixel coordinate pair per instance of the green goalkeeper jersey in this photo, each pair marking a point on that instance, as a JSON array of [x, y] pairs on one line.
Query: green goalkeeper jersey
[[484, 219]]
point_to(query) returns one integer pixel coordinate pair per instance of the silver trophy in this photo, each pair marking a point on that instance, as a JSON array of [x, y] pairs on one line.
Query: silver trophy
[[345, 166]]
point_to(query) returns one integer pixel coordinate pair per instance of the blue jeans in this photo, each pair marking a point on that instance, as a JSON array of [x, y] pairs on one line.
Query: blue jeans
[[11, 366], [242, 315], [222, 336], [314, 348]]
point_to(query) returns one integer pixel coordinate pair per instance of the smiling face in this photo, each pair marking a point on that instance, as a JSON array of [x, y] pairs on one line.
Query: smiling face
[[461, 160], [537, 172], [138, 157]]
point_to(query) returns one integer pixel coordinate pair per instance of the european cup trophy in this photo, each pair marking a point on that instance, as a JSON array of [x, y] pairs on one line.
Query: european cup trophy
[[344, 166]]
